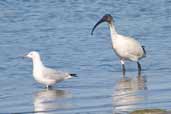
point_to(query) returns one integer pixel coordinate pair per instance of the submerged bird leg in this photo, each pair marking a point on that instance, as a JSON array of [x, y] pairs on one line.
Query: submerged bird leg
[[123, 67], [139, 68], [47, 86]]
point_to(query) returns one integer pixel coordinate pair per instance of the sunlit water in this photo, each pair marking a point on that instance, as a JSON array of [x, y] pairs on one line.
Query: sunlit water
[[60, 31]]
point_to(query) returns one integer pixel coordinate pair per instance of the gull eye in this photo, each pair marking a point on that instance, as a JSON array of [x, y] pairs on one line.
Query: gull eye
[[31, 54]]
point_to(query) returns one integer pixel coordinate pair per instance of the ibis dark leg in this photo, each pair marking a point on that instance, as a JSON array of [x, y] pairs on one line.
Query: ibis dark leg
[[139, 67], [123, 67]]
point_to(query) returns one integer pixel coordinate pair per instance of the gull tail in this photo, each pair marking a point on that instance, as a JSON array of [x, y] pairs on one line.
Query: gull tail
[[73, 75]]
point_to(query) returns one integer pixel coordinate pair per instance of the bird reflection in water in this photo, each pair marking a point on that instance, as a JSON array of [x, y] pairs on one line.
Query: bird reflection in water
[[49, 100], [129, 94]]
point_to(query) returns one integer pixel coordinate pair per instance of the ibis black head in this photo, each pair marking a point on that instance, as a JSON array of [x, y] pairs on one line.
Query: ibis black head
[[106, 18]]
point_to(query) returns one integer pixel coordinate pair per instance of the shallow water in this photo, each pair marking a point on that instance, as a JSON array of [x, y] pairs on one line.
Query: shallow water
[[60, 30]]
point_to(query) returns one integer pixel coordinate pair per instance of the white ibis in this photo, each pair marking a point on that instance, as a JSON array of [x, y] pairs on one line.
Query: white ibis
[[126, 48], [45, 75]]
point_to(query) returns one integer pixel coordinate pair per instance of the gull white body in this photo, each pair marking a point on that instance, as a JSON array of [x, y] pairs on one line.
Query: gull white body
[[45, 75]]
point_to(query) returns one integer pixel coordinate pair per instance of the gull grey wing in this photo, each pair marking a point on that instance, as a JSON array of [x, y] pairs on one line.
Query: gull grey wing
[[54, 74]]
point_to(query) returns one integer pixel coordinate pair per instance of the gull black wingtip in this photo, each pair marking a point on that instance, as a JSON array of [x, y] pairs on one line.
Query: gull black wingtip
[[74, 75]]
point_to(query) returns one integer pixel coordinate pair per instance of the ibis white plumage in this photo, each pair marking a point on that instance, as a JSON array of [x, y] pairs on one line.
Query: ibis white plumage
[[126, 48]]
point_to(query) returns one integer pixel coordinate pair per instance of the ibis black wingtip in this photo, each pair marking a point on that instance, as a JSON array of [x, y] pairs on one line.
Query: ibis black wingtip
[[143, 47]]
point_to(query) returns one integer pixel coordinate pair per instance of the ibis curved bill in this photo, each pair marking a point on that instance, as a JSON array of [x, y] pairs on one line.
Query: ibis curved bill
[[126, 48]]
